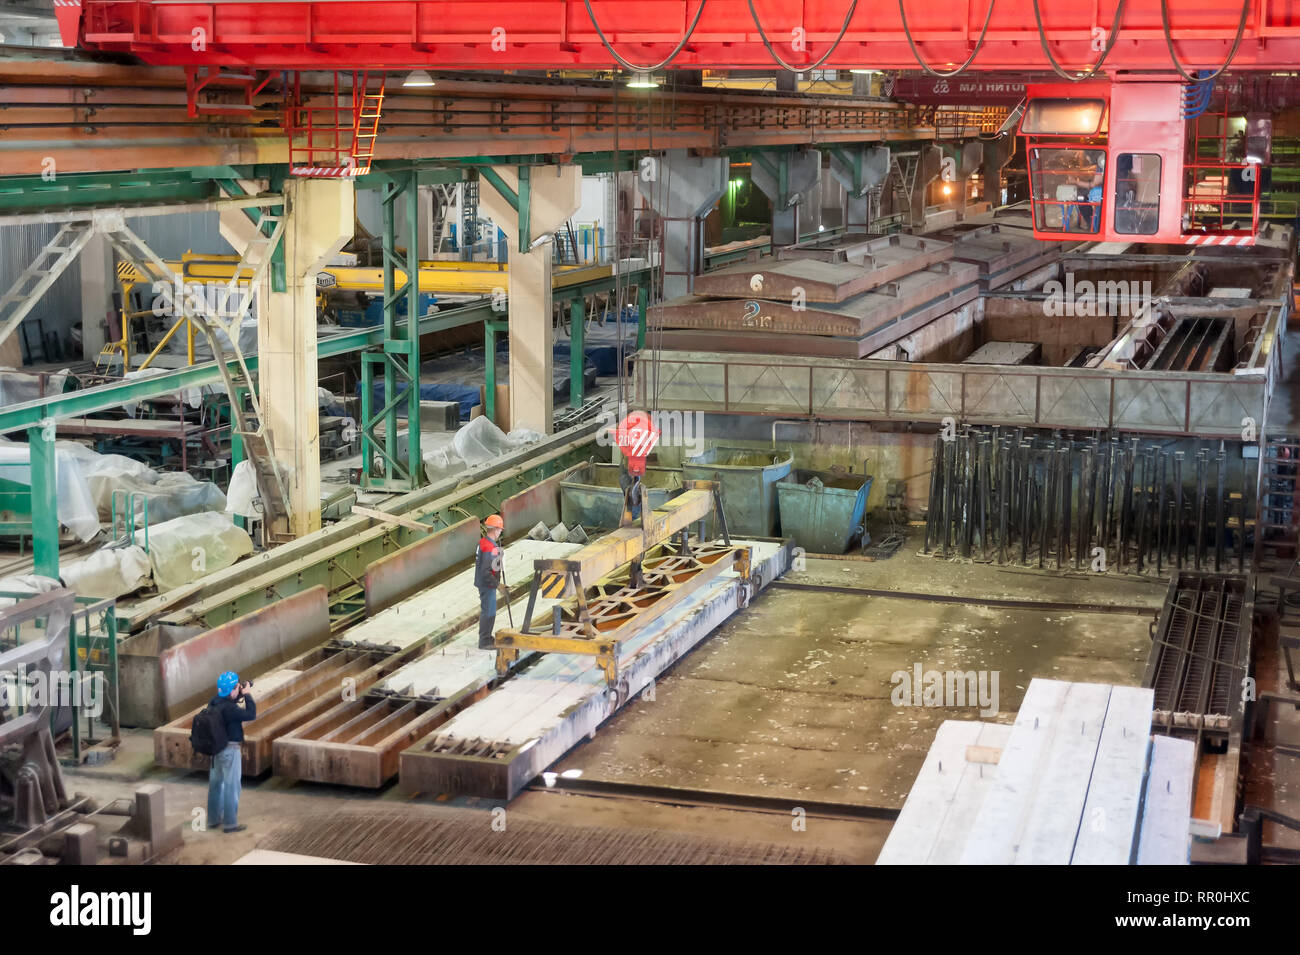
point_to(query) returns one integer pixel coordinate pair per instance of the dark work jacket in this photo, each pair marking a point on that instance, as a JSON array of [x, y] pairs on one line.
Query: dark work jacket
[[487, 565], [235, 716]]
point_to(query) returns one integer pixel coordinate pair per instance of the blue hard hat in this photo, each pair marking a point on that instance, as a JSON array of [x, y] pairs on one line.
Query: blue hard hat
[[227, 682]]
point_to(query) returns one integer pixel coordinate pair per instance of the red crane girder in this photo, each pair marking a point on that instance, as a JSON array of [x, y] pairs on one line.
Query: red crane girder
[[495, 35]]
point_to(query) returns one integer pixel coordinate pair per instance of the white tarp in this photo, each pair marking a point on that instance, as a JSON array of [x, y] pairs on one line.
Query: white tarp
[[476, 443], [190, 547], [108, 572], [242, 491], [76, 506], [18, 386], [169, 493]]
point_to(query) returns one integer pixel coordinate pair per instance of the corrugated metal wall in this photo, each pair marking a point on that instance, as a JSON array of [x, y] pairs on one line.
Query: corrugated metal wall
[[60, 308]]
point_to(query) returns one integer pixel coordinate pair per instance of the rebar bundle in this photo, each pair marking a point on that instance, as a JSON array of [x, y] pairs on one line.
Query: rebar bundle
[[1062, 500]]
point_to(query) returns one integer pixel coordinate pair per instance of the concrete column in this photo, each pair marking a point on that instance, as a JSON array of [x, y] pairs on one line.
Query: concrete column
[[683, 189], [97, 280], [859, 169], [320, 221], [792, 180], [424, 228], [554, 193], [997, 153], [927, 171], [969, 157]]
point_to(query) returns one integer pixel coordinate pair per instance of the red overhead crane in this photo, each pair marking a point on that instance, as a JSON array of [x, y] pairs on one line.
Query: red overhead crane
[[690, 34], [1141, 141]]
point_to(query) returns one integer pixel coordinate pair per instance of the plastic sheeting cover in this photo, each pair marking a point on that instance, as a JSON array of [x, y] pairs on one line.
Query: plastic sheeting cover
[[19, 386], [187, 548], [242, 491], [476, 443], [169, 493], [76, 506], [109, 572]]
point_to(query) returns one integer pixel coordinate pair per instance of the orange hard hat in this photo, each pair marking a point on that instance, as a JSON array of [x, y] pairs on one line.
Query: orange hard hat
[[494, 520]]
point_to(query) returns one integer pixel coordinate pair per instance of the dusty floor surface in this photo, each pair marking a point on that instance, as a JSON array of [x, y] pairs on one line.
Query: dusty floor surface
[[791, 698]]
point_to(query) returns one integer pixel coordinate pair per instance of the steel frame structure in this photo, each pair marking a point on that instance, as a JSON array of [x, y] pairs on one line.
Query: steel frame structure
[[598, 618], [397, 361]]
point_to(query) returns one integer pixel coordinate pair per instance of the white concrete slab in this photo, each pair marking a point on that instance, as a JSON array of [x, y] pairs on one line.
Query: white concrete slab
[[271, 857], [418, 616], [541, 701], [936, 818], [1108, 827], [1167, 809]]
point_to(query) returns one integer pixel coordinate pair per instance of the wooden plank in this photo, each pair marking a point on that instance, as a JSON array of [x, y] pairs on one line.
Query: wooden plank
[[392, 519], [1110, 814], [1167, 808]]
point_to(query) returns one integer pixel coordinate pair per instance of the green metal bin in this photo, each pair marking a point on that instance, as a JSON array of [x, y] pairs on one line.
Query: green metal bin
[[823, 510], [748, 478]]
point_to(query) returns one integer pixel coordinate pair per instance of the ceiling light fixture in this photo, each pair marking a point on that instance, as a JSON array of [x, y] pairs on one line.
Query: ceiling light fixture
[[418, 78], [643, 81]]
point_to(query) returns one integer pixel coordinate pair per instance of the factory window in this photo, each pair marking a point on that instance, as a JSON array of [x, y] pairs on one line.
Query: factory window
[[1137, 193], [1066, 188], [1063, 117]]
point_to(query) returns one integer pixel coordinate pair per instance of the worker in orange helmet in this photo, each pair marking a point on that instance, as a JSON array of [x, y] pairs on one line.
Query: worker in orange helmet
[[488, 577]]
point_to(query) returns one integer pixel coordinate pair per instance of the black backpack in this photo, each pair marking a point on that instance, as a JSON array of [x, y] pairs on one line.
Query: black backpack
[[208, 733]]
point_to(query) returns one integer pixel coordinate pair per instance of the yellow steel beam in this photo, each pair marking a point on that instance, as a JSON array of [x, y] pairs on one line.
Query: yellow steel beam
[[448, 278], [602, 557]]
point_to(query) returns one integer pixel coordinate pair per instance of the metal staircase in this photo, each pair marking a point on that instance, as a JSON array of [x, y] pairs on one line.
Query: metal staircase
[[226, 318], [36, 279], [1277, 522], [332, 135]]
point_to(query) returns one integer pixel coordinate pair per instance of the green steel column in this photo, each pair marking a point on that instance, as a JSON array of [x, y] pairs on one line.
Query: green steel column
[[408, 344], [45, 505], [401, 349], [577, 321], [642, 307]]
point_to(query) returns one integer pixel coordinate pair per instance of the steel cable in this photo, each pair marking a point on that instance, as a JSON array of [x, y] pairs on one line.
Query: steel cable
[[979, 44], [1093, 70], [628, 65], [1169, 42], [806, 67]]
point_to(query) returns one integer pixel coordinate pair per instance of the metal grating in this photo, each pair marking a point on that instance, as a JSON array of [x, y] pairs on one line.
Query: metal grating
[[1199, 654], [456, 837]]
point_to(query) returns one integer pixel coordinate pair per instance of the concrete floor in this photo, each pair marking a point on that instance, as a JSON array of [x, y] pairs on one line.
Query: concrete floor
[[791, 698]]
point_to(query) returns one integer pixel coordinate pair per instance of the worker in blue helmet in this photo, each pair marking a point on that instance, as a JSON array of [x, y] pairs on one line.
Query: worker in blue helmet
[[235, 706]]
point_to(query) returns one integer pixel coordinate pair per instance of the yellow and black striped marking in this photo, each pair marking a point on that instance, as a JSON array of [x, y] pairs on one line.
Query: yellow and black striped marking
[[552, 585]]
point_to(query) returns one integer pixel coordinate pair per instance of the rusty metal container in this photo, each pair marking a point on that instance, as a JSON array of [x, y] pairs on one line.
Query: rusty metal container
[[823, 510], [593, 498], [749, 478]]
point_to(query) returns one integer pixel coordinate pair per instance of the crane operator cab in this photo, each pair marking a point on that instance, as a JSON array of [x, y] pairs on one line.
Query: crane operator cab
[[1125, 160]]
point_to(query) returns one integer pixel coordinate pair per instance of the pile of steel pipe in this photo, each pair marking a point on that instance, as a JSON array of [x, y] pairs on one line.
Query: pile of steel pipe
[[1093, 502]]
